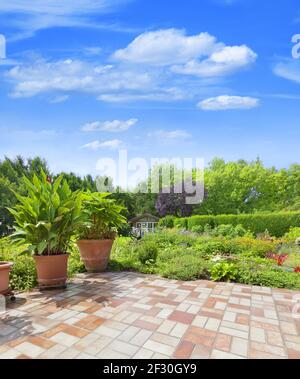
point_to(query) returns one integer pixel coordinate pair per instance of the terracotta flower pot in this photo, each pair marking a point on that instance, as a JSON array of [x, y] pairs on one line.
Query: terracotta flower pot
[[52, 270], [4, 277], [95, 254]]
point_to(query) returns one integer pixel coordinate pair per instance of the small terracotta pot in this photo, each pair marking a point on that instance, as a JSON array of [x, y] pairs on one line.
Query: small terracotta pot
[[95, 254], [52, 270], [4, 277]]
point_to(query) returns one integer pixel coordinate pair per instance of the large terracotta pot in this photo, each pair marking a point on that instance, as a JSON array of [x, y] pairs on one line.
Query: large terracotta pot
[[95, 254], [4, 277], [52, 270]]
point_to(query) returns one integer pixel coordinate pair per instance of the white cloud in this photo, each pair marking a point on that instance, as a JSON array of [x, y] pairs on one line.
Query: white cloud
[[108, 83], [226, 102], [161, 94], [97, 145], [170, 135], [114, 126], [68, 75], [162, 78], [222, 62], [166, 47], [289, 69], [199, 55], [31, 15]]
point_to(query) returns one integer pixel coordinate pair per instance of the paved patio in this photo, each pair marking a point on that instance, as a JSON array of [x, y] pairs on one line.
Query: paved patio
[[128, 315]]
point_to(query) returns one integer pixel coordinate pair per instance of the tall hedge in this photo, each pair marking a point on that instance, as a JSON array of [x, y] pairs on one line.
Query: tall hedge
[[276, 223], [181, 223]]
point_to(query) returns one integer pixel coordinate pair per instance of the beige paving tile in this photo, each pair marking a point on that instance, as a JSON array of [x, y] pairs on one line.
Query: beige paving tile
[[200, 321], [116, 325], [167, 340], [96, 346], [128, 334], [212, 324], [141, 337], [160, 348], [239, 346], [107, 353], [166, 327], [123, 347], [69, 353], [257, 334], [274, 338], [143, 354], [85, 356], [64, 339], [109, 332], [218, 354], [179, 330], [229, 316], [288, 328], [159, 356], [10, 354], [54, 352], [164, 313], [30, 349]]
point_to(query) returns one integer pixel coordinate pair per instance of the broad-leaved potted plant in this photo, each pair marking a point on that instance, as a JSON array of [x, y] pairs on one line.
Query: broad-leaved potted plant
[[45, 220], [96, 238]]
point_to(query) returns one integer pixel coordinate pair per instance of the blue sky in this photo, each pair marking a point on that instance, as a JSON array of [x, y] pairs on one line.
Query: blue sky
[[208, 78]]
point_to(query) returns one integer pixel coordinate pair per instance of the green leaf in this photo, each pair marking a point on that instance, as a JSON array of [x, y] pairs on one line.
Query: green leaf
[[41, 247]]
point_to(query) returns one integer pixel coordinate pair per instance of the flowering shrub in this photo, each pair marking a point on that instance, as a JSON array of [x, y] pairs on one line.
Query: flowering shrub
[[280, 259]]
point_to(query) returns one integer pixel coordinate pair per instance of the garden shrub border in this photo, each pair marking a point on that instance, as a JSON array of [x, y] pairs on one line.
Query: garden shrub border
[[276, 223]]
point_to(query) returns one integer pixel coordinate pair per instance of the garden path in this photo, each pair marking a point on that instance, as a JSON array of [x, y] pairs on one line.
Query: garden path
[[129, 315]]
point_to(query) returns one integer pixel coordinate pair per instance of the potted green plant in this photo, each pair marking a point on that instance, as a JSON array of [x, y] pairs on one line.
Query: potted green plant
[[96, 238], [45, 221]]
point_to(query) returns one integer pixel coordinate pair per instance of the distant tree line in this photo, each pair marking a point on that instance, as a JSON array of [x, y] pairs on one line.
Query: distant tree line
[[230, 188]]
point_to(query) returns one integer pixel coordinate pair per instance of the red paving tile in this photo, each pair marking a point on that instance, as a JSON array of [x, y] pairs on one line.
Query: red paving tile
[[293, 354], [199, 336], [223, 342], [184, 350], [183, 317], [145, 325]]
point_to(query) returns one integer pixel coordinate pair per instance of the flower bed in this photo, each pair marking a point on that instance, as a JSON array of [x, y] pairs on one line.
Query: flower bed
[[190, 256]]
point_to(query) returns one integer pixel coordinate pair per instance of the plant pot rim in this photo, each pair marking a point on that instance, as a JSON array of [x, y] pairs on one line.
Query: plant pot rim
[[5, 265], [100, 239], [51, 255], [2, 263]]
